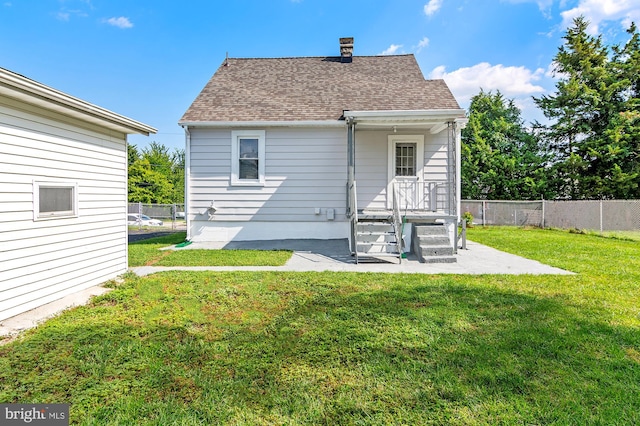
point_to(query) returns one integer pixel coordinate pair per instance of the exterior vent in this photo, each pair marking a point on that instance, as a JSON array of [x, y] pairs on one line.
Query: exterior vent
[[346, 49]]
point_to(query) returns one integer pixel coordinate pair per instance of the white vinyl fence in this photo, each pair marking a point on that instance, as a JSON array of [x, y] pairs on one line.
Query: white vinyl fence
[[603, 215]]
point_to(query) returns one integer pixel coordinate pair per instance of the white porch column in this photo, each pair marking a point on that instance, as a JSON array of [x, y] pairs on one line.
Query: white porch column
[[460, 123]]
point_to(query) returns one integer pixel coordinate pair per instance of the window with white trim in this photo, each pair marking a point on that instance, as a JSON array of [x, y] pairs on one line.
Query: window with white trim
[[55, 200], [247, 157]]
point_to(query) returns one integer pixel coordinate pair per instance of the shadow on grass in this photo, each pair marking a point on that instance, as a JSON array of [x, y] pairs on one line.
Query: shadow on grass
[[324, 349], [167, 238]]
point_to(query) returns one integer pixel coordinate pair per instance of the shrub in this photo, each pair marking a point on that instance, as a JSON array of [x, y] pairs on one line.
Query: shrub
[[468, 218]]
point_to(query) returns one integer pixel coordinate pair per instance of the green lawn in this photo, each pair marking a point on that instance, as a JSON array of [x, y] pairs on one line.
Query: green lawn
[[340, 348], [148, 253]]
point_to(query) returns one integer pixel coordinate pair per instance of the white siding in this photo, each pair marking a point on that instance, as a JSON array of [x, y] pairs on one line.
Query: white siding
[[372, 164], [305, 170], [44, 260]]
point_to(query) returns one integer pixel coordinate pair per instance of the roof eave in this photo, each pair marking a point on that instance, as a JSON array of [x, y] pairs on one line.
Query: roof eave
[[30, 91], [435, 119], [245, 124]]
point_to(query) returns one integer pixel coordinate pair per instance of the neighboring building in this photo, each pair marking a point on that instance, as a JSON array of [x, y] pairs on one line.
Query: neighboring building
[[316, 147], [63, 194]]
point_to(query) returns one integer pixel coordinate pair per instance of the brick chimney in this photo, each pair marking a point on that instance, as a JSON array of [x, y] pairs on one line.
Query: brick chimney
[[346, 49]]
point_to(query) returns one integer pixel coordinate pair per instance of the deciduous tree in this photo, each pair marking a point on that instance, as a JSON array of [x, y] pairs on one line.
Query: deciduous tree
[[156, 175]]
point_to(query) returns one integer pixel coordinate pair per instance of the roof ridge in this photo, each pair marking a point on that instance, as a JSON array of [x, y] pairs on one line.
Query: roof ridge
[[318, 57]]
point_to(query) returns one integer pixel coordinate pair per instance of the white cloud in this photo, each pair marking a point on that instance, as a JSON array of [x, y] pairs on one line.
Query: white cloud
[[422, 44], [120, 22], [432, 7], [599, 11], [553, 72], [510, 81], [63, 16], [391, 50]]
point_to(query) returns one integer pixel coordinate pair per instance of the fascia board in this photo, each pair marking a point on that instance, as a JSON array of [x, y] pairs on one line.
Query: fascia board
[[30, 91]]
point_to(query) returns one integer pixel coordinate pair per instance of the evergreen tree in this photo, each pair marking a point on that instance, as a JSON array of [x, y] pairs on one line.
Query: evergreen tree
[[592, 113], [501, 160]]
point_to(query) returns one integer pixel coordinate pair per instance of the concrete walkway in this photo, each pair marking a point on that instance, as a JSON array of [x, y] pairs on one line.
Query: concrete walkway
[[334, 255]]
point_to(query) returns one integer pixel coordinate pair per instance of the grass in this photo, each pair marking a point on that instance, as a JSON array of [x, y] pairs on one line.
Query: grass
[[148, 253], [619, 235], [337, 348]]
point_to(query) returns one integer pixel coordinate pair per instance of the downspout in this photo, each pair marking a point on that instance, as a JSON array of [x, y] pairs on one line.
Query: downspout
[[187, 178], [126, 191]]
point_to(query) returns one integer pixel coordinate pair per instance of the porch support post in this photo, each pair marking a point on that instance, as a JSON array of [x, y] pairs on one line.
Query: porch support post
[[351, 177], [351, 151], [460, 123], [452, 160]]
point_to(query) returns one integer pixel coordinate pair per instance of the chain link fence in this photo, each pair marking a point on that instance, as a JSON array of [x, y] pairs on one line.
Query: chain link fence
[[171, 216], [604, 215]]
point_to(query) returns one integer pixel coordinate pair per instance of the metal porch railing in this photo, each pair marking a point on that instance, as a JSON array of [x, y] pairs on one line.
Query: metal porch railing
[[424, 196]]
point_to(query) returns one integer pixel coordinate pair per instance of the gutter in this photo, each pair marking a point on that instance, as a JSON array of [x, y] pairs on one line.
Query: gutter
[[240, 124]]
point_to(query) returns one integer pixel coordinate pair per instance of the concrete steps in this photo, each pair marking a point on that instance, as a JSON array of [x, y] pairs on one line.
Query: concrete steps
[[376, 239], [431, 244]]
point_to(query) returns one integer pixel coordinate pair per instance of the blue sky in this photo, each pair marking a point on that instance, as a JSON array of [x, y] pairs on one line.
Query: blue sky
[[149, 59]]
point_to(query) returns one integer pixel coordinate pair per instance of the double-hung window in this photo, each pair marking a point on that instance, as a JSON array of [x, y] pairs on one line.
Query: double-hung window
[[247, 157], [54, 200]]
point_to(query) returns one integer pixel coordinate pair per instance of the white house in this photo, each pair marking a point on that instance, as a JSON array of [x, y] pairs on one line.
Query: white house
[[357, 147], [63, 193]]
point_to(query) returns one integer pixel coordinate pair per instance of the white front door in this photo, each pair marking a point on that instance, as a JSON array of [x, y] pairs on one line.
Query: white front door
[[406, 171]]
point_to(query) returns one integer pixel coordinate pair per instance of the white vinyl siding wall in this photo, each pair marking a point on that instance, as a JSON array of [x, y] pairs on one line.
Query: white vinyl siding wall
[[372, 163], [44, 260], [305, 170]]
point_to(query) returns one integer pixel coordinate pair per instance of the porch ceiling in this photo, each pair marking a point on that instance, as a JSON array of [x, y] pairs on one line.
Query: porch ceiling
[[434, 120]]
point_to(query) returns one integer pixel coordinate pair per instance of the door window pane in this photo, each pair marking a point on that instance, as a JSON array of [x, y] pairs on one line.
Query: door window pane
[[405, 159]]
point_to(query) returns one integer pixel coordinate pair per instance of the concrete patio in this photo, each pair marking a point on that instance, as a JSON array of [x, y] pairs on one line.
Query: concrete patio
[[334, 255]]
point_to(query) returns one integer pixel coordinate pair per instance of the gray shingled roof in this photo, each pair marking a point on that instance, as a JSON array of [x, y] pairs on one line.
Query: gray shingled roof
[[315, 88]]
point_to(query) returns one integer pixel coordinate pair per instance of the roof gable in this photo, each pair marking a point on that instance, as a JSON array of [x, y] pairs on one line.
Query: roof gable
[[315, 89]]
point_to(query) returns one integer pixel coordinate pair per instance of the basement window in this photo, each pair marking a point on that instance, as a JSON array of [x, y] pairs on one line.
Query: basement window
[[53, 200], [247, 157]]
